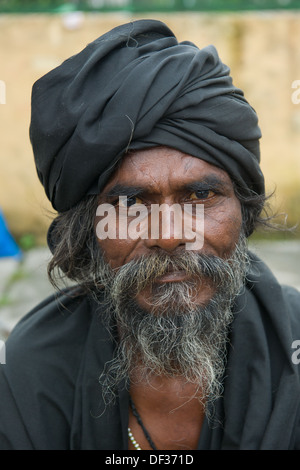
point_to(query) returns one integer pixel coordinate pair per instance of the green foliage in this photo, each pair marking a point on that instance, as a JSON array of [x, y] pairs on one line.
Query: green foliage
[[20, 4], [27, 241], [144, 5], [5, 300]]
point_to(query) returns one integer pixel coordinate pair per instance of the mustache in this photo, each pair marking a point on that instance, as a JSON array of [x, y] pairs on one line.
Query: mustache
[[140, 273]]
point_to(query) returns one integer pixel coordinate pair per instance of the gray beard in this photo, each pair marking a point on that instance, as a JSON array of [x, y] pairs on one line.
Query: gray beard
[[177, 337]]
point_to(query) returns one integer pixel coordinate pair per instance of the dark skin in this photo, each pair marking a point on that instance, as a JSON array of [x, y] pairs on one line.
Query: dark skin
[[171, 409]]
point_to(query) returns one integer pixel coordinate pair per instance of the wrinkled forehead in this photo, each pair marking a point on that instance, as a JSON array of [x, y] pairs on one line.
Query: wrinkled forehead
[[163, 170]]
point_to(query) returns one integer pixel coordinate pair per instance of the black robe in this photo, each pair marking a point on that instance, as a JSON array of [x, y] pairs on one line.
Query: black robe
[[50, 396]]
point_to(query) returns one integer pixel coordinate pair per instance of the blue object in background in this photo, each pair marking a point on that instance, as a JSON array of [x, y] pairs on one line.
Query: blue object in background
[[8, 246]]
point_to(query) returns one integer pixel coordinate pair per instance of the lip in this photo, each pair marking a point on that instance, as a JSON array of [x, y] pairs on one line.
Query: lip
[[172, 276]]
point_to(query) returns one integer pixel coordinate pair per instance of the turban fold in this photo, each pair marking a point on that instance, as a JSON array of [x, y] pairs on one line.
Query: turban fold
[[137, 87]]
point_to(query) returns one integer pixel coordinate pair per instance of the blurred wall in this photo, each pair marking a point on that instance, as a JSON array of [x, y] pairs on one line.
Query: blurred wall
[[262, 49]]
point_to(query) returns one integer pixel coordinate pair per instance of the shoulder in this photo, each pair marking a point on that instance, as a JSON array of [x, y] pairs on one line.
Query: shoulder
[[56, 324], [37, 382], [281, 301], [292, 297]]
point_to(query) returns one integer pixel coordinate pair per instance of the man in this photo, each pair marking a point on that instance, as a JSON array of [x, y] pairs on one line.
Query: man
[[161, 343]]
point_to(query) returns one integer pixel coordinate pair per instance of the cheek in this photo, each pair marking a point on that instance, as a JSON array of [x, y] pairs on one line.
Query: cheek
[[222, 230], [115, 252], [117, 249]]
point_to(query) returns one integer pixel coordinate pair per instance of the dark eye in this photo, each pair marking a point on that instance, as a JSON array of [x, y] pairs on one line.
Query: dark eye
[[129, 201], [202, 194]]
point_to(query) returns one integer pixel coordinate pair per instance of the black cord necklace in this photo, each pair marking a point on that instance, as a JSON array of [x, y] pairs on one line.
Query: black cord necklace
[[139, 420]]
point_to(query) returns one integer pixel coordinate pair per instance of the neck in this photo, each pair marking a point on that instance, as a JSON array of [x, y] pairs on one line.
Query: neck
[[168, 393], [171, 410]]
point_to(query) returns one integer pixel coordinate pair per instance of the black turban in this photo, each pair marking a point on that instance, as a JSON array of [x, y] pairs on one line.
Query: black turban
[[136, 87]]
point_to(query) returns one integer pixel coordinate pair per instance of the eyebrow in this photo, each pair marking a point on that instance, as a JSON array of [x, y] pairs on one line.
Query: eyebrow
[[124, 190], [209, 182]]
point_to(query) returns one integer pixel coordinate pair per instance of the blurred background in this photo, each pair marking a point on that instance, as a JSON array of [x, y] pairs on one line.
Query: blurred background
[[259, 40]]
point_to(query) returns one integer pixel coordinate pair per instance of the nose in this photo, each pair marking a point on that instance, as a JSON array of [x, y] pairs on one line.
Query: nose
[[165, 229], [169, 244]]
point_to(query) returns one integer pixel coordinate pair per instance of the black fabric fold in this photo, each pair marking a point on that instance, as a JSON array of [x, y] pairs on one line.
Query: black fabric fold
[[262, 389]]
